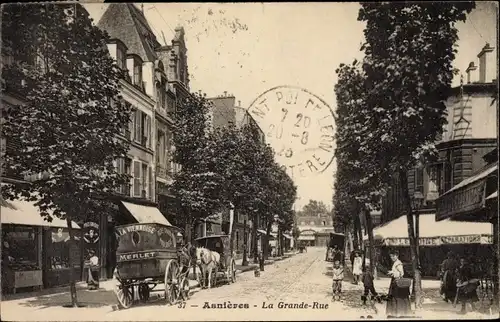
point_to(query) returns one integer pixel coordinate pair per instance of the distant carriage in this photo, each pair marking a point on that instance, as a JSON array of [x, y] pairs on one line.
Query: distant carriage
[[226, 270], [336, 239], [148, 255]]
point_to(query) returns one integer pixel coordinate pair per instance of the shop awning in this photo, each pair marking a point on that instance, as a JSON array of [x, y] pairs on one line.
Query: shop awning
[[146, 214], [306, 237], [466, 197], [434, 233], [20, 212]]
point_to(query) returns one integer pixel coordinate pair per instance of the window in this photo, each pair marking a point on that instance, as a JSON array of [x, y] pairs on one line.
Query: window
[[120, 58], [137, 179], [419, 180], [303, 223], [150, 181], [138, 127], [160, 148], [59, 249], [144, 180], [312, 223], [433, 178], [324, 223], [146, 130], [138, 73], [20, 247], [169, 148]]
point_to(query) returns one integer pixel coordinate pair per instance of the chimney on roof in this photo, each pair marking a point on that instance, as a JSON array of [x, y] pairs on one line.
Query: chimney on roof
[[472, 75], [225, 93], [239, 103], [487, 64]]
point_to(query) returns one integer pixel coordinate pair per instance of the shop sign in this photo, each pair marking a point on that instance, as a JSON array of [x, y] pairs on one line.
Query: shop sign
[[427, 241], [462, 201], [139, 227], [468, 239], [91, 232], [133, 256]]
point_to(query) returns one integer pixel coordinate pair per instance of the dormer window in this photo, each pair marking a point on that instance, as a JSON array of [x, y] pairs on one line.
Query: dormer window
[[137, 72], [120, 58]]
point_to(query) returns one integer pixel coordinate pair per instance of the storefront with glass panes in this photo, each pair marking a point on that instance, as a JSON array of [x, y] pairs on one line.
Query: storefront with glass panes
[[35, 253]]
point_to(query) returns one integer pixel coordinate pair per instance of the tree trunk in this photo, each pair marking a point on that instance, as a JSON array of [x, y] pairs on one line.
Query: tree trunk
[[266, 243], [371, 247], [72, 245], [359, 232], [417, 279], [254, 238], [245, 244], [355, 238], [231, 230]]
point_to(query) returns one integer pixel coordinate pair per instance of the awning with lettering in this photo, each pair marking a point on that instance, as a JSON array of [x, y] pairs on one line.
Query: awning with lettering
[[434, 233], [467, 196], [146, 214], [20, 212], [306, 237]]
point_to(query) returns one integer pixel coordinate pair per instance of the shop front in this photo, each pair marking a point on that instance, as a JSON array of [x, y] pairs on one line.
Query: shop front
[[35, 253], [473, 201], [469, 240]]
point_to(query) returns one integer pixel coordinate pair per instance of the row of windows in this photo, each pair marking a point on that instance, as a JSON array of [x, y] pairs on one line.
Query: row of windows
[[313, 223], [142, 178]]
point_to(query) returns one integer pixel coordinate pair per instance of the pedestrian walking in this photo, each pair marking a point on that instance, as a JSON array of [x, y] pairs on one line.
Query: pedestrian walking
[[398, 304], [357, 267], [448, 277], [338, 276], [467, 287]]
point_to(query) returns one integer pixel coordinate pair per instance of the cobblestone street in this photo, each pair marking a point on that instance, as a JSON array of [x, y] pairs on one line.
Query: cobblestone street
[[301, 279]]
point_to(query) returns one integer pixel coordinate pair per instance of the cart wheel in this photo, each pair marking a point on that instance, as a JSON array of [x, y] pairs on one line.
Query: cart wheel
[[144, 292], [184, 289], [172, 282], [124, 296], [233, 271]]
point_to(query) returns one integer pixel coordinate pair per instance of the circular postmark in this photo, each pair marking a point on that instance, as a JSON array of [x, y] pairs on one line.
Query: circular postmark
[[299, 126]]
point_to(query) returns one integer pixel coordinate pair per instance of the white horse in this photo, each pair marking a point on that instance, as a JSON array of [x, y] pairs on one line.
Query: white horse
[[208, 261]]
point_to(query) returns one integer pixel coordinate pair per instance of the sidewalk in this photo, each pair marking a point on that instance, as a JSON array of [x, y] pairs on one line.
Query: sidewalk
[[103, 298]]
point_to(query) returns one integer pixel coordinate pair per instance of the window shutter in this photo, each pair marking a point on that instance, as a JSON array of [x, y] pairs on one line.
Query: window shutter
[[151, 197], [149, 138], [137, 179]]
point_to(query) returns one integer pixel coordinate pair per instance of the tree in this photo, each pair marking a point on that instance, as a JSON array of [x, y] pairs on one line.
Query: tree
[[359, 179], [68, 124], [196, 185], [314, 208], [409, 51]]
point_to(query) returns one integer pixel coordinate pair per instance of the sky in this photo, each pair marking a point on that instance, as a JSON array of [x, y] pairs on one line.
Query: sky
[[248, 48]]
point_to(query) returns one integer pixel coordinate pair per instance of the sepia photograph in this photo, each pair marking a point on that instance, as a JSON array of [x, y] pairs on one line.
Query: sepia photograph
[[249, 161]]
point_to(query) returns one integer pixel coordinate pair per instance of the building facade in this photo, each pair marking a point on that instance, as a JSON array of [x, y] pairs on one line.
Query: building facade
[[468, 136], [315, 230]]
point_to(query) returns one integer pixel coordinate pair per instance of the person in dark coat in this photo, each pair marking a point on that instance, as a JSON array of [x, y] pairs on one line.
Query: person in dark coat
[[398, 304], [467, 287], [448, 277]]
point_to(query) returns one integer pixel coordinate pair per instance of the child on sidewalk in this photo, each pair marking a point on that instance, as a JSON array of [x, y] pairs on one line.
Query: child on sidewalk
[[338, 276]]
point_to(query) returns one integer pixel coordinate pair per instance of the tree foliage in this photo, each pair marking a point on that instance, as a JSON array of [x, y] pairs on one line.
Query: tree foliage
[[67, 125], [391, 109], [313, 208]]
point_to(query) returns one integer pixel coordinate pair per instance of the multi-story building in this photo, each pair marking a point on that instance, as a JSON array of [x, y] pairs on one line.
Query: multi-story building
[[315, 230], [468, 136], [147, 89]]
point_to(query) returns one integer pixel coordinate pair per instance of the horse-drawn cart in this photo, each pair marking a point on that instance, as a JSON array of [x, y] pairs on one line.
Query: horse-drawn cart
[[147, 255], [226, 266]]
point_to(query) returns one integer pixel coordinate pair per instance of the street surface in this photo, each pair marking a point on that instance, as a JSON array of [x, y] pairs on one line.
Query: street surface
[[301, 279]]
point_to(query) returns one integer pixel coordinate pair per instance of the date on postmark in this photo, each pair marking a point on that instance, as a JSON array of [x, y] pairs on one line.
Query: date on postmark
[[300, 127]]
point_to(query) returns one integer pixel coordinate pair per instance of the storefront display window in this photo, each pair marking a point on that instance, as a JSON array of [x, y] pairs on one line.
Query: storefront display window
[[20, 247], [58, 252]]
